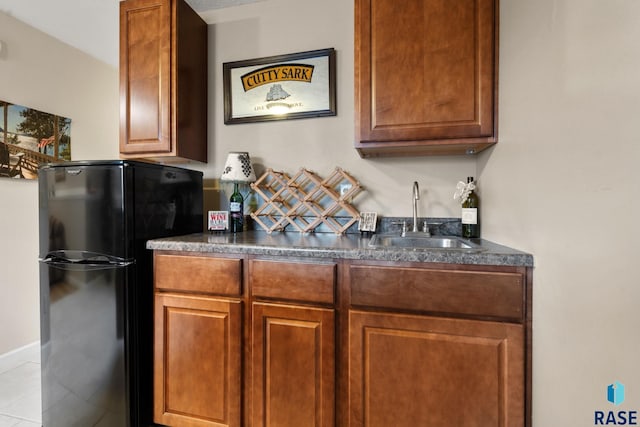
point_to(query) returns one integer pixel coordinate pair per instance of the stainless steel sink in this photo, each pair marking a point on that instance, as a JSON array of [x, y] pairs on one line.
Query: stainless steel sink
[[418, 241]]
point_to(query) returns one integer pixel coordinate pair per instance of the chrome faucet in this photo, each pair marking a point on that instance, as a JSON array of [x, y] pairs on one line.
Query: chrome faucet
[[414, 229], [425, 227], [416, 197]]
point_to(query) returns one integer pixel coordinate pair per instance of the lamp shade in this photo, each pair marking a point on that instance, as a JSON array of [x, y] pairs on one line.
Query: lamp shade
[[238, 168]]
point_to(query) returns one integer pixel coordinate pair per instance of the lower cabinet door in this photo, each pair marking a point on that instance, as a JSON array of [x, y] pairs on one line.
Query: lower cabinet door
[[197, 361], [292, 366], [407, 371]]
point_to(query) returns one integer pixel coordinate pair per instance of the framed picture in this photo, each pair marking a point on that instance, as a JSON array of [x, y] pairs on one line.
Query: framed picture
[[30, 138], [293, 86]]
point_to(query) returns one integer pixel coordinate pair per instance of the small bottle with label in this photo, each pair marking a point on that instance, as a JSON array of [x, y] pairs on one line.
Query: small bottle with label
[[470, 217], [236, 210]]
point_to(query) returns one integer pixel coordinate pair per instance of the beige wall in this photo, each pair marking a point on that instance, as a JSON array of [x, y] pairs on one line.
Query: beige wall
[[40, 72], [561, 183]]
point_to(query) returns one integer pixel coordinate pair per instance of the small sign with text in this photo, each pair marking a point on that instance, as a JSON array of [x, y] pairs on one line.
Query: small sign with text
[[218, 220]]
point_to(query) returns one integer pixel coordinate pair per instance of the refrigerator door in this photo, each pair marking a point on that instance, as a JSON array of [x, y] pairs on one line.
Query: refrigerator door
[[83, 208], [83, 335]]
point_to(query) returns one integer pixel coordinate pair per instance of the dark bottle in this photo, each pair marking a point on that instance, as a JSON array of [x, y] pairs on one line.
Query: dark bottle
[[470, 217], [236, 210]]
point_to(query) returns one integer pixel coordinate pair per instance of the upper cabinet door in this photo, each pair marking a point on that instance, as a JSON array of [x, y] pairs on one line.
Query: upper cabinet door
[[163, 81], [145, 85], [425, 76]]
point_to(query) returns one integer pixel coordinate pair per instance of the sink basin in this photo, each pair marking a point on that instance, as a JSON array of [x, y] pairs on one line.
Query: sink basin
[[434, 242]]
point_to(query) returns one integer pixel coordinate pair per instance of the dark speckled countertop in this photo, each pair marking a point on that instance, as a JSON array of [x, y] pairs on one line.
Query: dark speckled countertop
[[328, 245]]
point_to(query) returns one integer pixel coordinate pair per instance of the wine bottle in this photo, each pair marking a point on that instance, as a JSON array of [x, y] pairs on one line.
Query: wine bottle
[[470, 218], [236, 210]]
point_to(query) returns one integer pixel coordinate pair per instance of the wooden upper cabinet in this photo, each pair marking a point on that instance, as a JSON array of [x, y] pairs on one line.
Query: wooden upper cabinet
[[425, 76], [163, 81]]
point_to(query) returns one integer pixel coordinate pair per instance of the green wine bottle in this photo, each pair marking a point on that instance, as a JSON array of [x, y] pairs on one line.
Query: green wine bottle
[[470, 211], [236, 210]]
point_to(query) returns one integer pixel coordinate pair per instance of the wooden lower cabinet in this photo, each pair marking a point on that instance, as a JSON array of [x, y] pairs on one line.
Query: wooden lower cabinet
[[244, 341], [197, 361], [292, 366], [410, 370]]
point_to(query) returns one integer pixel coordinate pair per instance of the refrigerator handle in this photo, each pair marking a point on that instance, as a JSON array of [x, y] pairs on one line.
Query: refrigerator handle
[[84, 260]]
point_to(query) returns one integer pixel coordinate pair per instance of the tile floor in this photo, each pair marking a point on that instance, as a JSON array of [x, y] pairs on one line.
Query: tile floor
[[20, 404]]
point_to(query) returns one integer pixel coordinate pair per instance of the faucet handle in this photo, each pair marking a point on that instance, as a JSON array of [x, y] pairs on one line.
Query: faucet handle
[[425, 228], [403, 223]]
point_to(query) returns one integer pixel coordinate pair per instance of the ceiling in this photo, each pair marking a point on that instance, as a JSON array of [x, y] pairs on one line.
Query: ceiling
[[88, 25]]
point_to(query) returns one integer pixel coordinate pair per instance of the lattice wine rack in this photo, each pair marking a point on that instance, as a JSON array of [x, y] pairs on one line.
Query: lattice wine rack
[[304, 201]]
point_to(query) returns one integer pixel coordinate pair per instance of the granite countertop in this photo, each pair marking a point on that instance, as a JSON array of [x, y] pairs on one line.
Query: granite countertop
[[328, 245]]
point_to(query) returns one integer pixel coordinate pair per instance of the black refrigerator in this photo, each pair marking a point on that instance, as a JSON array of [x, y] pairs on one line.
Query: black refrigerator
[[96, 284]]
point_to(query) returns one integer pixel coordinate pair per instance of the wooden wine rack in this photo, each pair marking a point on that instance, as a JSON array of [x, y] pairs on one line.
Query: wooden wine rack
[[305, 201]]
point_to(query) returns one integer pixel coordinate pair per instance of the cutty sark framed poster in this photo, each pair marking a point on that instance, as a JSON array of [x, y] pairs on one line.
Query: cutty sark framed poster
[[293, 86]]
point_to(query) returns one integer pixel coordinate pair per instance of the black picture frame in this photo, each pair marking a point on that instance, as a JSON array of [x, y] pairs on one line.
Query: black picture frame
[[292, 86]]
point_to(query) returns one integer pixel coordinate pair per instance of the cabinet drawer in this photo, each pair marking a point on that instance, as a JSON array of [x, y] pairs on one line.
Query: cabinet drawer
[[222, 276], [473, 293], [297, 281]]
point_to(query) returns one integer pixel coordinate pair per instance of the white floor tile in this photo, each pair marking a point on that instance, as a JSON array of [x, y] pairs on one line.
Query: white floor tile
[[20, 396], [6, 421], [27, 424]]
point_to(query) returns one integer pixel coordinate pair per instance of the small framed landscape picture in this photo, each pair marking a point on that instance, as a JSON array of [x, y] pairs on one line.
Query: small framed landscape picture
[[30, 138]]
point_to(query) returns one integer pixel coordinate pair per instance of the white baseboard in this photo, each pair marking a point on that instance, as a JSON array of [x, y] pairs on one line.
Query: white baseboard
[[34, 346]]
